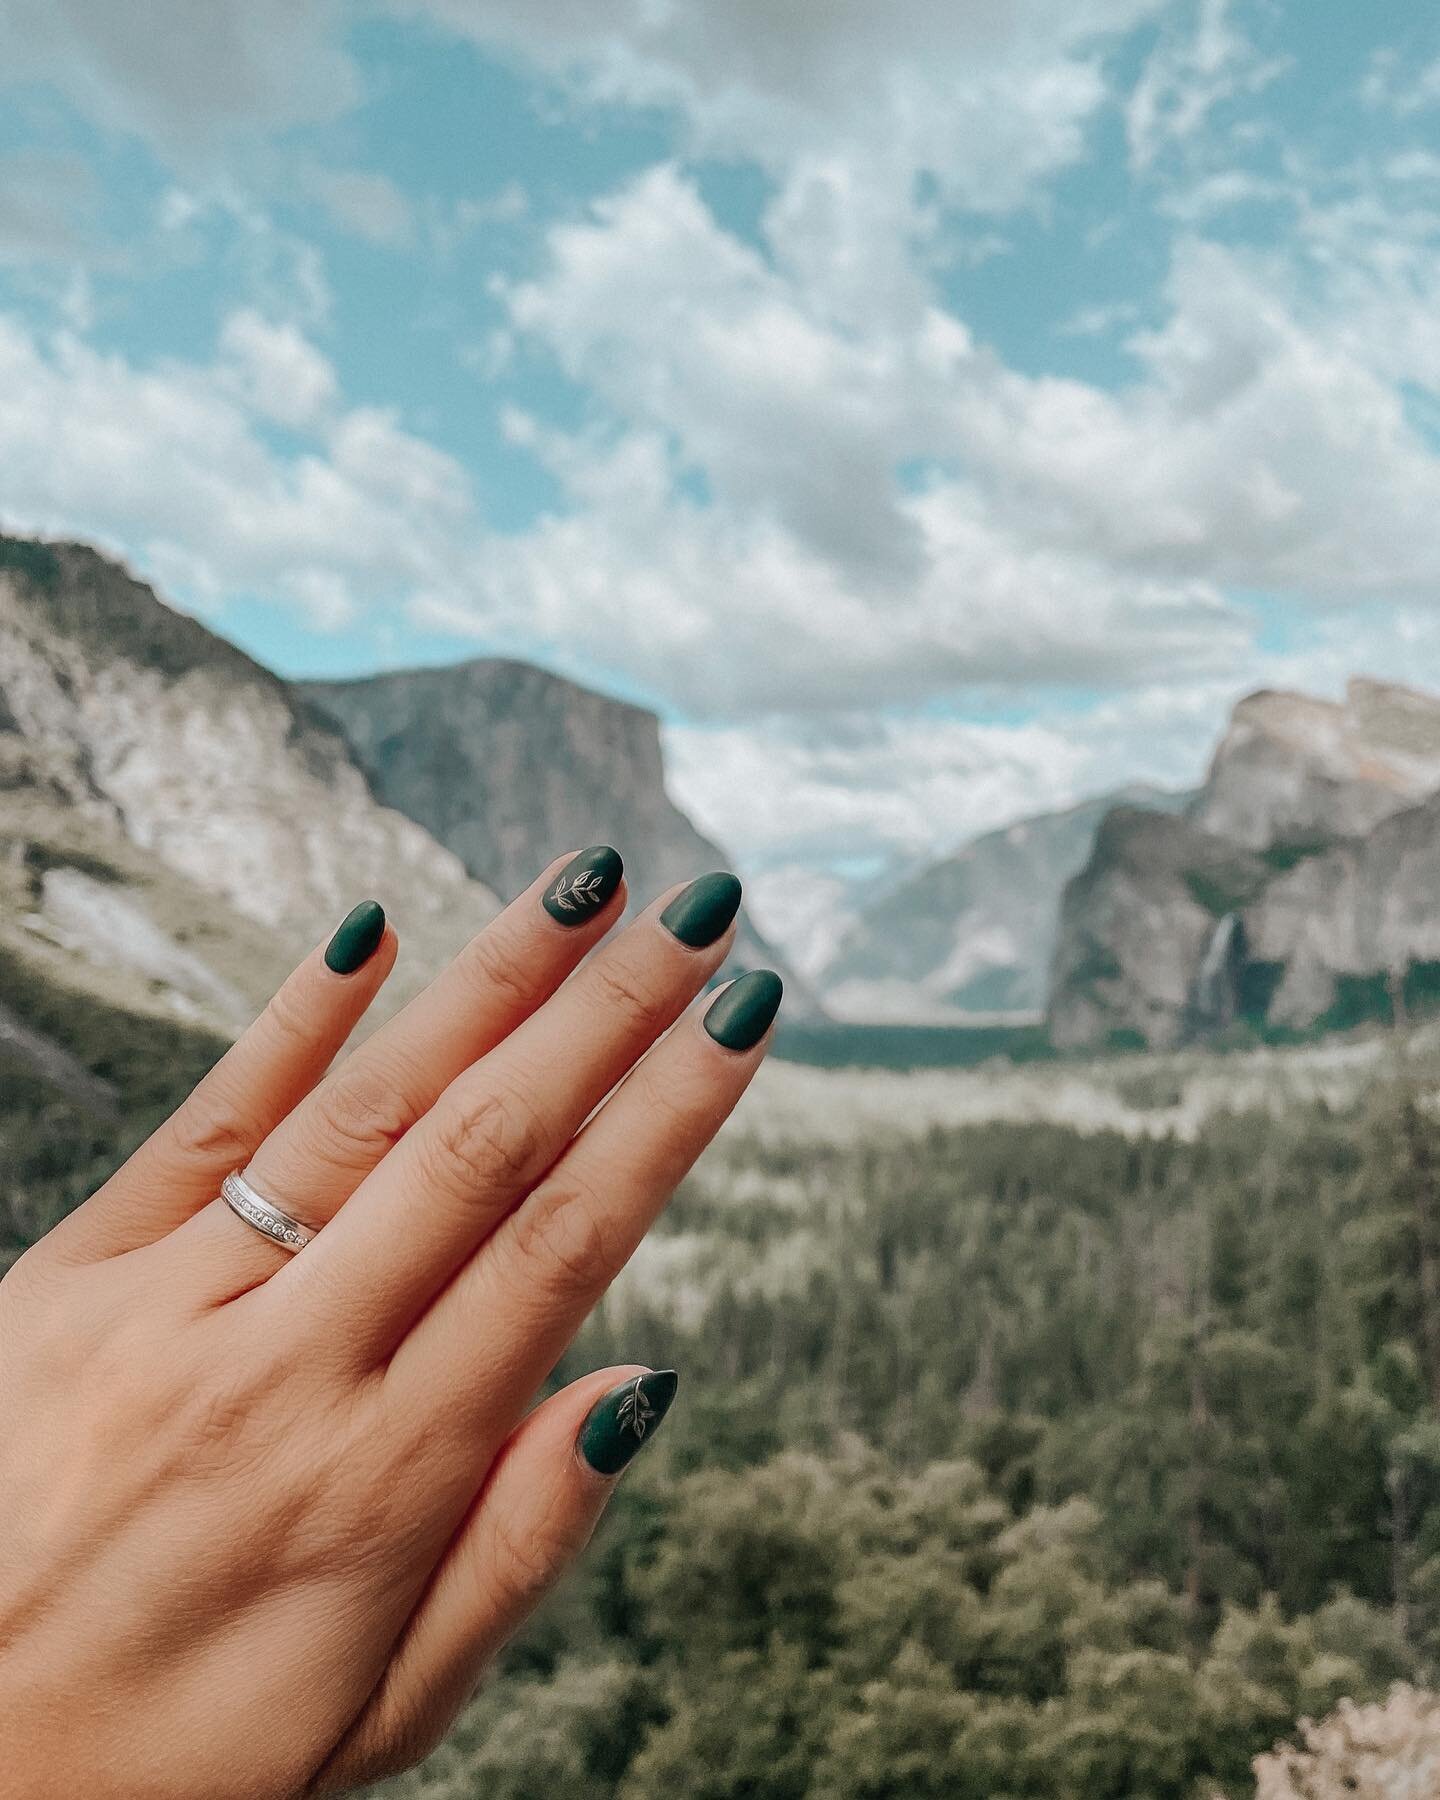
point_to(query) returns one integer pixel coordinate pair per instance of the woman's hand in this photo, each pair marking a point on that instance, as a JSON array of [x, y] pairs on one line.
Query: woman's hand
[[267, 1517]]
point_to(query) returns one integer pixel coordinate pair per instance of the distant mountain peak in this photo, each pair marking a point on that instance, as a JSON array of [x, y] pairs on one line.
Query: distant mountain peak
[[1291, 765], [1297, 894], [971, 934]]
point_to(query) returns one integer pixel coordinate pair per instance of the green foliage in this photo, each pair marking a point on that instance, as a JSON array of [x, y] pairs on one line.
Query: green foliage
[[1358, 1000], [35, 561], [1097, 963], [56, 1147], [838, 1045], [1220, 891], [1256, 986], [1289, 851]]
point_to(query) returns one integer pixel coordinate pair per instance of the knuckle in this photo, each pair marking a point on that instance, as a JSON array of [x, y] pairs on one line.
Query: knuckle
[[409, 1727], [288, 1023], [209, 1133], [669, 1105], [491, 974], [561, 1239], [360, 1114], [527, 1559], [624, 989], [496, 1136]]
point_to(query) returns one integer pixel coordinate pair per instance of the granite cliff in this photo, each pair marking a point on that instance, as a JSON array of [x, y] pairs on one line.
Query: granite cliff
[[1297, 894], [507, 765], [176, 825], [973, 933]]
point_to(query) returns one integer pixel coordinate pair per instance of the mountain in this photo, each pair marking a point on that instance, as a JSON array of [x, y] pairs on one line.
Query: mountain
[[974, 932], [508, 765], [1291, 769], [1297, 893], [176, 826], [1135, 928]]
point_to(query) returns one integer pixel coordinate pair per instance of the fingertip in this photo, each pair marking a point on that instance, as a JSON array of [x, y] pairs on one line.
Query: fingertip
[[585, 887], [357, 937], [743, 1013], [624, 1418]]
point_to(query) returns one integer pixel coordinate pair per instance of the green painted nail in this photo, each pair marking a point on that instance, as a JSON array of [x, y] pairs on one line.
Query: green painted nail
[[704, 910], [584, 885], [618, 1425], [358, 938], [740, 1016]]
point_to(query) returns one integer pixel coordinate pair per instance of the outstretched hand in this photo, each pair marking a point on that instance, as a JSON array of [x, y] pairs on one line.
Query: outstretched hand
[[268, 1516]]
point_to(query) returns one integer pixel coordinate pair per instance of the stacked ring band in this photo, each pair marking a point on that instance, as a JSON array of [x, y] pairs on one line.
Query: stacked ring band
[[263, 1215]]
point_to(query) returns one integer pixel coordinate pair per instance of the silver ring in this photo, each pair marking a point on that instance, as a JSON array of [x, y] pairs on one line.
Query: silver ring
[[263, 1214]]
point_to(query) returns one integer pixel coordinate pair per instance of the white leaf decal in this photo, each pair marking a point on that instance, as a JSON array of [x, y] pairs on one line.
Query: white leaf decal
[[578, 892], [635, 1410]]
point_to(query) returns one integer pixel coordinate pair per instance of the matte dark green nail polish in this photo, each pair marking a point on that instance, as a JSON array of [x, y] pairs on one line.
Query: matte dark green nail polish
[[704, 910], [740, 1016], [618, 1425], [583, 886], [358, 938]]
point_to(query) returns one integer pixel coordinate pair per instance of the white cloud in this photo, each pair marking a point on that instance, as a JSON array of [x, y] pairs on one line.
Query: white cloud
[[990, 98], [1198, 65], [365, 202], [1395, 84], [45, 203], [261, 262], [276, 370], [858, 785], [1065, 529], [1259, 451], [183, 74], [167, 464]]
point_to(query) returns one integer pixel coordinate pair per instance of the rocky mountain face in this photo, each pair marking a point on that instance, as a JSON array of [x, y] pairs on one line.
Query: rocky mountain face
[[176, 826], [975, 932], [1297, 893], [1295, 770], [508, 766]]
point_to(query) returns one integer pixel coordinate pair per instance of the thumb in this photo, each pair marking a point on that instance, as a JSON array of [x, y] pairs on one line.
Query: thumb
[[536, 1512]]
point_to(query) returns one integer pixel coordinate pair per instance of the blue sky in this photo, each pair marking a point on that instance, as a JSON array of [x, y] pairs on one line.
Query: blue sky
[[937, 412]]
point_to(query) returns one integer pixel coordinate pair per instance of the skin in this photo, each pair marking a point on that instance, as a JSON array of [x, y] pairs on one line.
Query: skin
[[267, 1519]]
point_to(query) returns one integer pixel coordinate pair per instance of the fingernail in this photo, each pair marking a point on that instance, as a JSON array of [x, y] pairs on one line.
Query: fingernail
[[704, 910], [358, 938], [618, 1425], [584, 885], [740, 1016]]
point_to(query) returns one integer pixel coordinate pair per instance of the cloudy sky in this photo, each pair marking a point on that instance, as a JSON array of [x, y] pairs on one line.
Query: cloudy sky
[[937, 410]]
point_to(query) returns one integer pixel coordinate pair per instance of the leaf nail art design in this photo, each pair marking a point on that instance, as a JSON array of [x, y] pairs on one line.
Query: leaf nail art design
[[627, 1417], [635, 1412], [582, 890], [584, 885]]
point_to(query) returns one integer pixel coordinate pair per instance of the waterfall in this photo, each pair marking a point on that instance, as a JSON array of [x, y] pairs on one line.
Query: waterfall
[[1213, 999]]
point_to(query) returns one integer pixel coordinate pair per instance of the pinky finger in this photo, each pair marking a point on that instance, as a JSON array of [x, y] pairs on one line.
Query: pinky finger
[[537, 1511], [260, 1079]]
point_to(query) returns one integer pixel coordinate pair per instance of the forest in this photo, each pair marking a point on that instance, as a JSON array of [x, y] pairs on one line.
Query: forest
[[1010, 1461]]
